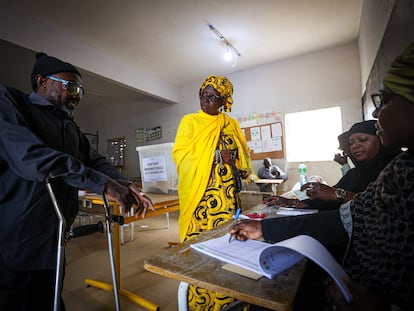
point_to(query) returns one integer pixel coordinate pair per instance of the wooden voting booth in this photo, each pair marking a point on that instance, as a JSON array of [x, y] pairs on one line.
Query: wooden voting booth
[[265, 140]]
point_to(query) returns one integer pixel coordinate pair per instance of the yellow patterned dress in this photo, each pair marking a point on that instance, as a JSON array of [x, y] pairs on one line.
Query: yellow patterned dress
[[207, 190]]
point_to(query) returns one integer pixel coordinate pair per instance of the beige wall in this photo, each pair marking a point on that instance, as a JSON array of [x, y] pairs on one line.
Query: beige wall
[[318, 80], [332, 77]]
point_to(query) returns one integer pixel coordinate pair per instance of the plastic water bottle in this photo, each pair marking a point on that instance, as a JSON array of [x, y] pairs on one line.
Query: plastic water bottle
[[303, 171]]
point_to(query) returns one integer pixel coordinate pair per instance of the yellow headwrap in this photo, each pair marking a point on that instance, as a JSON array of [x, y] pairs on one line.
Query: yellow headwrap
[[400, 76], [222, 85]]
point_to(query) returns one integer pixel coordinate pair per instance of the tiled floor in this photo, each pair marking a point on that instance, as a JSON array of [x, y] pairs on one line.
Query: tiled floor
[[87, 257]]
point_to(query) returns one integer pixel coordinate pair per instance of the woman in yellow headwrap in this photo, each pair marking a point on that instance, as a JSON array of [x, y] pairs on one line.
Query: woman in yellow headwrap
[[211, 154]]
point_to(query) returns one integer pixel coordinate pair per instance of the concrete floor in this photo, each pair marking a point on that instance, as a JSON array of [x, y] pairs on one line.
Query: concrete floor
[[88, 257]]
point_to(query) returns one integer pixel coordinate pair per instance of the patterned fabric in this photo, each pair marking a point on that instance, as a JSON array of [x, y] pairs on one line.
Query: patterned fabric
[[223, 86], [197, 139], [400, 76], [346, 217], [207, 191], [381, 253], [200, 299], [220, 199], [207, 187], [217, 206]]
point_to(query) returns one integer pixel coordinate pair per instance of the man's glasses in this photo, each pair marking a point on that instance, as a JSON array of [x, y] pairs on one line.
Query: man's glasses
[[210, 97], [71, 87]]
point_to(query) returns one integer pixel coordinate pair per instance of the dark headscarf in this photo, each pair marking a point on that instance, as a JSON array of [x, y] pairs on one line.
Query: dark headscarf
[[47, 65], [400, 76], [366, 127], [358, 178]]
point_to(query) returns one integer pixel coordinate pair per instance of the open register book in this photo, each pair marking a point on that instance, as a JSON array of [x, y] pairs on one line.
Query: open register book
[[271, 259]]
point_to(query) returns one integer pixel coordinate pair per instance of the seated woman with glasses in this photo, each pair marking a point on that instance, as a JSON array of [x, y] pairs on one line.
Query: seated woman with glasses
[[369, 157], [378, 224], [211, 155]]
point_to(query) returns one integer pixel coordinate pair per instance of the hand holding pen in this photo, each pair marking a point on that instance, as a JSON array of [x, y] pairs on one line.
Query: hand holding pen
[[246, 229], [236, 218]]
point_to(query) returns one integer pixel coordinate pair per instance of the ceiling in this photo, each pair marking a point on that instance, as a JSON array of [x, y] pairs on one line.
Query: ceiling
[[170, 39]]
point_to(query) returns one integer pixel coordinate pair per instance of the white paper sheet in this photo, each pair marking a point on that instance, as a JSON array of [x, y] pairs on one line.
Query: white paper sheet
[[272, 259]]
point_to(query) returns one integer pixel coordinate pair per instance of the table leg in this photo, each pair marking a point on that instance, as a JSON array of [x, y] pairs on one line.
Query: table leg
[[109, 287], [274, 188], [167, 214]]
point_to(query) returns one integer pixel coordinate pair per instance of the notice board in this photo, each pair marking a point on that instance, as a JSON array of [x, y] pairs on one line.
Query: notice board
[[265, 141]]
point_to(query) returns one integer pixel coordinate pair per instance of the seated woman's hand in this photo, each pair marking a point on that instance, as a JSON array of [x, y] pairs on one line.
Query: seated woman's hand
[[315, 190], [340, 158], [278, 201], [247, 229]]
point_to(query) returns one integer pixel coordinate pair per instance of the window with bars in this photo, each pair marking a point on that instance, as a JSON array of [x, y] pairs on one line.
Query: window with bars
[[115, 150]]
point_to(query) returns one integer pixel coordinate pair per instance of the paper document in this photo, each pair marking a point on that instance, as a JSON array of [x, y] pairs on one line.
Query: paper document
[[301, 195], [291, 211], [271, 259]]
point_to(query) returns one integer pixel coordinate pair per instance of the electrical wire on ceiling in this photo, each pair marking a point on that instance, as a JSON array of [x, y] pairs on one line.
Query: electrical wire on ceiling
[[230, 48]]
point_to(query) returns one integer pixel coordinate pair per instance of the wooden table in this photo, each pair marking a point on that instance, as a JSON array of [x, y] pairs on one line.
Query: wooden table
[[163, 204], [186, 265], [275, 183]]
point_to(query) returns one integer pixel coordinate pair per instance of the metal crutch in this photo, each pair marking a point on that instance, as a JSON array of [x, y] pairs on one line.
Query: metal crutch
[[120, 220], [60, 250]]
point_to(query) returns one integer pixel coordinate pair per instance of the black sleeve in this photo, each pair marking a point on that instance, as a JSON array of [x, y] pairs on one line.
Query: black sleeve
[[27, 155], [322, 204], [325, 226]]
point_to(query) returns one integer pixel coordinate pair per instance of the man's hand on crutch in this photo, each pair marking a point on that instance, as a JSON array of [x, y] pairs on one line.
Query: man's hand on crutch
[[127, 195]]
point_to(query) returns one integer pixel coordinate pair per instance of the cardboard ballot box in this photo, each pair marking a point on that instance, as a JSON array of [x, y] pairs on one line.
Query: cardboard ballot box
[[158, 172]]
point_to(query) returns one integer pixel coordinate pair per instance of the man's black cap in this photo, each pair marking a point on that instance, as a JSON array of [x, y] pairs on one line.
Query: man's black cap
[[47, 65]]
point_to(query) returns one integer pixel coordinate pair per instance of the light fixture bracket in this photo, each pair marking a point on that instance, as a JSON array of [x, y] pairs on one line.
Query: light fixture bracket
[[224, 39]]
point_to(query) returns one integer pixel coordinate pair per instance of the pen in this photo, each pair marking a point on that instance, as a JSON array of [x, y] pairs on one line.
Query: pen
[[236, 218]]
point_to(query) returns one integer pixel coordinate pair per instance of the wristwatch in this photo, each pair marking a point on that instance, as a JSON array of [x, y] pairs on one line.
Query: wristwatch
[[340, 195]]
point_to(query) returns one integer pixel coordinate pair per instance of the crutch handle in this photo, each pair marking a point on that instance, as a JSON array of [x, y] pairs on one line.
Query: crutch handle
[[86, 229], [118, 219]]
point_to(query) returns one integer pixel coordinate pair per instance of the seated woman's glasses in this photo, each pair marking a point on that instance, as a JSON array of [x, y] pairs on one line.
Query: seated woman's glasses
[[377, 100]]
